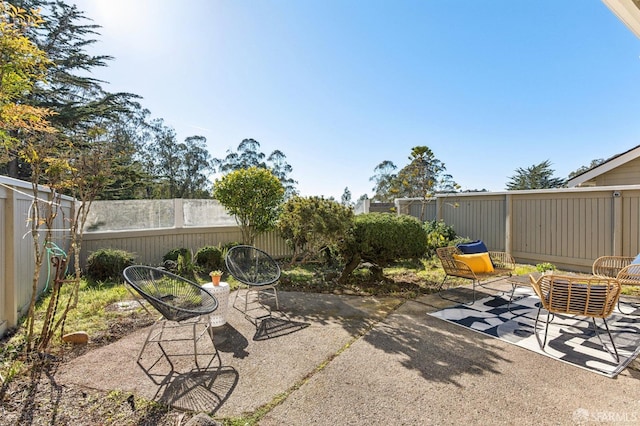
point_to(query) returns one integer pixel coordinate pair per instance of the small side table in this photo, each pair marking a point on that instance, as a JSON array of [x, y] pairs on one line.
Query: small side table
[[221, 292]]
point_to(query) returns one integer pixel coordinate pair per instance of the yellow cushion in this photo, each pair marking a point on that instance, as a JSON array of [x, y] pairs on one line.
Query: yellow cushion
[[478, 262]]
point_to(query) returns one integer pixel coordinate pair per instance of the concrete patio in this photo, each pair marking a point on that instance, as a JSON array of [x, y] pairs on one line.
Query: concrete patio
[[364, 360]]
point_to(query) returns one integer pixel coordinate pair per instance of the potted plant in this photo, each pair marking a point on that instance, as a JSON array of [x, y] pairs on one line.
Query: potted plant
[[215, 276]]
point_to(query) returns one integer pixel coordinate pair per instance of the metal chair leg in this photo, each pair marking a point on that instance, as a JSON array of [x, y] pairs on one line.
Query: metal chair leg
[[442, 284], [615, 350], [257, 293], [513, 293], [275, 296], [546, 329], [628, 303], [235, 299]]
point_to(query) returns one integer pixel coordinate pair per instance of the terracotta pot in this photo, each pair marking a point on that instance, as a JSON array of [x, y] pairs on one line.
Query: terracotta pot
[[215, 280]]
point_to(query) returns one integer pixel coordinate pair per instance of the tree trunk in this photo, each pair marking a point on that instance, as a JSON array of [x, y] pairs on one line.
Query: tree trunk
[[12, 168], [349, 268], [376, 272]]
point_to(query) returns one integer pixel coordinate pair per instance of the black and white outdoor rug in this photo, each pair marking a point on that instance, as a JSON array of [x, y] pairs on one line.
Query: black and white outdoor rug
[[570, 339]]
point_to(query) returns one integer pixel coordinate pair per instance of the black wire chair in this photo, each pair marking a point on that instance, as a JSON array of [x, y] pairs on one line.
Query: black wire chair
[[257, 271], [175, 297]]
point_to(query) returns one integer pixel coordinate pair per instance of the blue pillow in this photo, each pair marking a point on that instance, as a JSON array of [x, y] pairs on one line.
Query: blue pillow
[[636, 261], [473, 247]]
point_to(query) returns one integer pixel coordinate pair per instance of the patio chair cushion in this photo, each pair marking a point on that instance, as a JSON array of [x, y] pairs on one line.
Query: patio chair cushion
[[479, 263], [473, 247]]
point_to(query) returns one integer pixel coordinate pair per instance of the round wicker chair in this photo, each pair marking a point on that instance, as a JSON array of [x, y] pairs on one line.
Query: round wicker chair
[[592, 297], [624, 270]]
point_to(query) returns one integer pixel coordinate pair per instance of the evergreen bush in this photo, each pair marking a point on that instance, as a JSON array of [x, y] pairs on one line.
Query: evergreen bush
[[381, 238], [173, 254], [108, 264], [312, 226], [210, 258]]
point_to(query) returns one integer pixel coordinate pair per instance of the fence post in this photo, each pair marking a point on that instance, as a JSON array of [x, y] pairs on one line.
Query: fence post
[[507, 222], [617, 223], [10, 248], [178, 213]]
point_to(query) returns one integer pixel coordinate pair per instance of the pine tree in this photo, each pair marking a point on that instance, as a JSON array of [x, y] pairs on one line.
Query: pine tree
[[537, 176]]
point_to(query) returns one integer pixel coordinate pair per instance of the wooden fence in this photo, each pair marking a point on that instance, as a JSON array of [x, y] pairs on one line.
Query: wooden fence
[[16, 251], [568, 227], [151, 228], [149, 246]]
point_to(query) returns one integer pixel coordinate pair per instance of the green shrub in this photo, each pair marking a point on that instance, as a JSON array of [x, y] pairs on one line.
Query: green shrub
[[108, 264], [185, 266], [546, 266], [381, 238], [173, 254], [180, 261], [439, 234], [312, 226], [227, 246], [209, 258], [253, 195]]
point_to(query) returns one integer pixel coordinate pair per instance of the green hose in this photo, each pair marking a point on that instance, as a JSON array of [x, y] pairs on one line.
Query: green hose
[[53, 250]]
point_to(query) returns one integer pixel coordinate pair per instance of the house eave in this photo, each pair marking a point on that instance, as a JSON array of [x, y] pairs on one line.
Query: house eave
[[628, 11], [608, 165]]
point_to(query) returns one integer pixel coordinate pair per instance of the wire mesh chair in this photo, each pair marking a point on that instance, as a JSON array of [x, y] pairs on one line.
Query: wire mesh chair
[[175, 297], [592, 297], [256, 270]]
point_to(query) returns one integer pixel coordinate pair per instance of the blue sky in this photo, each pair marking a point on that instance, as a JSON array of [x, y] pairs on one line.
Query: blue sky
[[342, 85]]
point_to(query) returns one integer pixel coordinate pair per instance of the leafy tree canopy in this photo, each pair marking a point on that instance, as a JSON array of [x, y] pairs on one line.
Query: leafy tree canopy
[[424, 176], [22, 66], [253, 196], [538, 176], [80, 108], [384, 176], [248, 154], [580, 170], [345, 200], [77, 98], [182, 169]]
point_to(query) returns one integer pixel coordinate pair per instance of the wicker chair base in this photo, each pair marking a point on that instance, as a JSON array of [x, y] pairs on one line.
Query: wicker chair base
[[543, 343], [591, 297]]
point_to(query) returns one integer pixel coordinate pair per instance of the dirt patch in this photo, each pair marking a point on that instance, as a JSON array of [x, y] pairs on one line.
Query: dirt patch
[[37, 399]]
